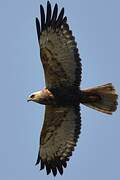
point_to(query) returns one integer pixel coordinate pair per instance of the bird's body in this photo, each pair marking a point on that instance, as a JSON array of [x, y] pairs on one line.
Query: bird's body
[[59, 96], [63, 95]]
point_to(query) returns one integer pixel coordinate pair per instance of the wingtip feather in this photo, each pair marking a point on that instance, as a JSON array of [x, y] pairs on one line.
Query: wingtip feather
[[38, 28], [48, 15], [42, 17]]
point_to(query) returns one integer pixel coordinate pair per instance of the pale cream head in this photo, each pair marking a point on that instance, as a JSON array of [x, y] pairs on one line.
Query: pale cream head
[[41, 97]]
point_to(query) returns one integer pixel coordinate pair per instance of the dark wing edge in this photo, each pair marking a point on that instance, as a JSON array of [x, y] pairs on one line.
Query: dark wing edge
[[59, 163], [55, 22], [52, 19]]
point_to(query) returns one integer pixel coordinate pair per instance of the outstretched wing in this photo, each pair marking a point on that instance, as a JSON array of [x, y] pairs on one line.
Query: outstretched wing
[[58, 49], [59, 136]]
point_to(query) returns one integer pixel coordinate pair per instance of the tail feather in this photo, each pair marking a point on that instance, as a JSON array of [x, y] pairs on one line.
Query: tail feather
[[101, 98]]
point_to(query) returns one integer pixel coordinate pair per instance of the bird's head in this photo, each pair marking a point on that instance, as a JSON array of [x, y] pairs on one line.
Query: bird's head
[[36, 96], [41, 97]]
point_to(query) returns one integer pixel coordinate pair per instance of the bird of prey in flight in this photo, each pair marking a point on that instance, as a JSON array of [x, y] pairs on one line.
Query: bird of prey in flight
[[62, 96]]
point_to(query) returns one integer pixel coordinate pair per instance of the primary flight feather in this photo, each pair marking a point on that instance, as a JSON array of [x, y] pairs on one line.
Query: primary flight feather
[[62, 95]]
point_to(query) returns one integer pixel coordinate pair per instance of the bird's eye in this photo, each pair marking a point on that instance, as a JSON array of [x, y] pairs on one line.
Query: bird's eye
[[32, 96]]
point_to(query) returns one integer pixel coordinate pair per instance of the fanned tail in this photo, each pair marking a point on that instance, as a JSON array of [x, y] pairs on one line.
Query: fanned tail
[[101, 98]]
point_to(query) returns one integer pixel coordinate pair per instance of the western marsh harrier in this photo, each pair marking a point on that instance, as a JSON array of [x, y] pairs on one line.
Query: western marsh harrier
[[62, 95]]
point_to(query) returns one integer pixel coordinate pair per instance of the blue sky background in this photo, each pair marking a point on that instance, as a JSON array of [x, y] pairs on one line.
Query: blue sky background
[[96, 26]]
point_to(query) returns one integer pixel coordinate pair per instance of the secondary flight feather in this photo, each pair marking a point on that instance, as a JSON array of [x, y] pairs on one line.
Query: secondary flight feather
[[62, 96]]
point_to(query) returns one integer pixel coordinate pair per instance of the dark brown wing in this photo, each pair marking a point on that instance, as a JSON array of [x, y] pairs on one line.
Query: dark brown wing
[[59, 136], [58, 49]]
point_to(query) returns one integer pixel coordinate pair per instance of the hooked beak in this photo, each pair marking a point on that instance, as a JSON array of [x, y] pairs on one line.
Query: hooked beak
[[29, 99]]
